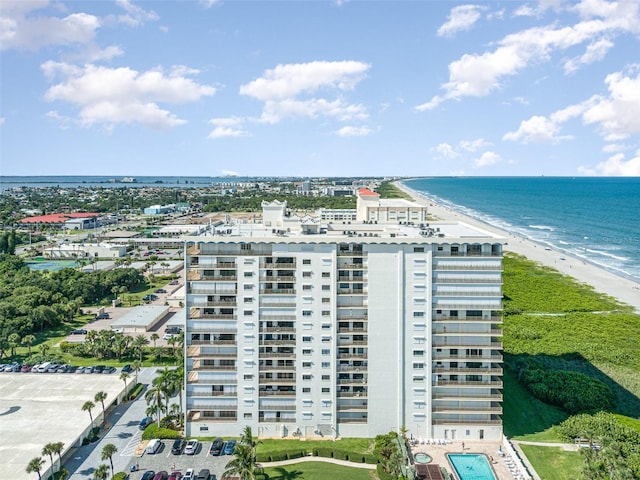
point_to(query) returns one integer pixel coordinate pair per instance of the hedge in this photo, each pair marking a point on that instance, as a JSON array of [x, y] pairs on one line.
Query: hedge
[[153, 431], [136, 391]]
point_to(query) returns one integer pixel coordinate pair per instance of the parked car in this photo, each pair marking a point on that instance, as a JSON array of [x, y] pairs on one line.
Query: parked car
[[127, 368], [161, 290], [161, 476], [62, 369], [79, 331], [148, 475], [109, 369], [102, 316], [88, 370], [26, 368], [203, 474], [229, 447], [192, 447], [70, 369], [35, 368], [53, 367], [173, 329], [145, 422], [175, 476], [173, 282], [81, 369], [216, 447], [178, 446], [12, 367], [167, 336], [150, 297], [98, 369], [189, 474]]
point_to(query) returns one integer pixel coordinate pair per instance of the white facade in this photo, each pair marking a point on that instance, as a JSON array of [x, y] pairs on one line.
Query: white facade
[[90, 250], [345, 333]]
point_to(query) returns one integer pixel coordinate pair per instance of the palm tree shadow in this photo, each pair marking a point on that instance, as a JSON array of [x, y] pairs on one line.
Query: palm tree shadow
[[283, 474]]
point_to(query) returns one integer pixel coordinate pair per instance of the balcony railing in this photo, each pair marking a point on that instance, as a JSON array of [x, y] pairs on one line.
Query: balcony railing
[[351, 394], [213, 342], [351, 368], [448, 330], [468, 383], [215, 368], [351, 407], [466, 254], [284, 278], [351, 291], [465, 306], [278, 265], [492, 319], [475, 280], [497, 410], [456, 343], [351, 420], [352, 266], [276, 407], [289, 318], [276, 393], [213, 394], [277, 381], [264, 355], [277, 420], [217, 316], [477, 396], [344, 356], [352, 330], [465, 421], [476, 371], [278, 329], [268, 368], [352, 381], [272, 304], [277, 291], [469, 266], [344, 342], [215, 303]]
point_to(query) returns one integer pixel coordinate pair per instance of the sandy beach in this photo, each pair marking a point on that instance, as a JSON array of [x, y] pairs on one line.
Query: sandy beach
[[623, 289]]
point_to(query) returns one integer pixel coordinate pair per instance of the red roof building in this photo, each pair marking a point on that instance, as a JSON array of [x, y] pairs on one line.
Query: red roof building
[[57, 218]]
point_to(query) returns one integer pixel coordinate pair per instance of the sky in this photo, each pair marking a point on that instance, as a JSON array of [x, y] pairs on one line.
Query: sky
[[320, 88]]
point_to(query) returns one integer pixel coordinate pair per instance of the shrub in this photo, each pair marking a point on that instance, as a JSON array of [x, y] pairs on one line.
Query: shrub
[[120, 476], [136, 391], [153, 431], [572, 391]]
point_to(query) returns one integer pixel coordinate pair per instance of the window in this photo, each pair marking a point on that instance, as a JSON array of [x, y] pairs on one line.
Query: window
[[306, 339], [418, 314], [248, 415], [418, 249], [248, 274], [306, 261], [326, 326], [326, 390], [306, 287], [418, 365], [326, 351], [248, 313], [326, 300], [248, 376], [326, 287], [418, 378], [248, 286], [306, 389], [306, 274], [326, 378], [204, 428], [326, 313], [418, 353], [326, 275], [248, 299], [326, 339], [326, 364], [306, 351], [306, 377], [306, 364]]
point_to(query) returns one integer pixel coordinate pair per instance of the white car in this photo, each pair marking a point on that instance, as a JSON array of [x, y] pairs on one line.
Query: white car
[[192, 447], [190, 474], [167, 336]]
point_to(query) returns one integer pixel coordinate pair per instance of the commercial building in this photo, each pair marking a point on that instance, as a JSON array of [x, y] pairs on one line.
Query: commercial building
[[344, 330]]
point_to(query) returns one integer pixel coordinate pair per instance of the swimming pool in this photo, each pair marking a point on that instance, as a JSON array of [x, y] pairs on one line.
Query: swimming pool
[[422, 458], [51, 265], [471, 466]]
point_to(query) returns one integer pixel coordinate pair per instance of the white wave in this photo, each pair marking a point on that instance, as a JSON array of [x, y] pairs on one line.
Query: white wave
[[543, 227], [607, 254]]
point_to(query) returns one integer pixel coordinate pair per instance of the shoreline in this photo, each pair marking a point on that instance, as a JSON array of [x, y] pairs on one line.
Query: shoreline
[[625, 290]]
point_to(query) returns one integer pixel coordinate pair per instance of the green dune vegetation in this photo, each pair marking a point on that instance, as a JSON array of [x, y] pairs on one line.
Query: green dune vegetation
[[572, 370]]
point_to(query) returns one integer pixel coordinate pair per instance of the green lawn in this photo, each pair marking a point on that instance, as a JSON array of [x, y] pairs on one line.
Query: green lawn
[[317, 471], [552, 463], [356, 445]]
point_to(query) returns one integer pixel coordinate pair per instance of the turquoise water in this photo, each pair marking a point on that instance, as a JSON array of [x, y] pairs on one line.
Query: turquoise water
[[471, 466], [592, 218], [422, 458]]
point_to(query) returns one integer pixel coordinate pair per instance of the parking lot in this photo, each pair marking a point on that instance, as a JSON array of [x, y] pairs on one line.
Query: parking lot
[[165, 460]]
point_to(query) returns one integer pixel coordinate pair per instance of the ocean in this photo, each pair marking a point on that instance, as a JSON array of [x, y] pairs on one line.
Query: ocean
[[592, 218]]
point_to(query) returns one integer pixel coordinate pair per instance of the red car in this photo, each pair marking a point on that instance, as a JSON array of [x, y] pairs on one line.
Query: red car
[[175, 476]]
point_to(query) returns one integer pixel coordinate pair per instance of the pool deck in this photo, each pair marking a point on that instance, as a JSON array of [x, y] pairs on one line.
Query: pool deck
[[490, 449]]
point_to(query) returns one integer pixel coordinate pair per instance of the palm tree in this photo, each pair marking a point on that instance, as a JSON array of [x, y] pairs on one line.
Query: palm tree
[[48, 450], [136, 366], [243, 464], [101, 397], [102, 472], [14, 341], [44, 348], [124, 376], [154, 336], [28, 341], [107, 453], [35, 465], [139, 343], [57, 447], [155, 396], [87, 407]]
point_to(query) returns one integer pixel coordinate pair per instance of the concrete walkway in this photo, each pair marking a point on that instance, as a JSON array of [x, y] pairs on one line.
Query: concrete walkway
[[569, 447], [335, 461]]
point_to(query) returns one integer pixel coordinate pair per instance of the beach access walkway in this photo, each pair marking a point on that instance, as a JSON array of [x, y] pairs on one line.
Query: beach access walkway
[[335, 461]]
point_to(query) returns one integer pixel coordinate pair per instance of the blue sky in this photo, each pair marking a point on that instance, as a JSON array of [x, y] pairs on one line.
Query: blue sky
[[310, 88]]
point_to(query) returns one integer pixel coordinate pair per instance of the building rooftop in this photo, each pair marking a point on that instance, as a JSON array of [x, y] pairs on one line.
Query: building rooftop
[[141, 317]]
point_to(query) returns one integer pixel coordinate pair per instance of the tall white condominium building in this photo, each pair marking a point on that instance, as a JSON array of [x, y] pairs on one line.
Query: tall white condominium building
[[350, 329]]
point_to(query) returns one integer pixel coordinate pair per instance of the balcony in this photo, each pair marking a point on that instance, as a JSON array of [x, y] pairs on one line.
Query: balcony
[[199, 416], [352, 266], [265, 355], [213, 368], [211, 342], [277, 381], [351, 291], [344, 342], [278, 329], [469, 266], [352, 330], [340, 407], [469, 383], [351, 394], [277, 291], [215, 303], [277, 420], [474, 280], [268, 368], [466, 397], [466, 305], [213, 394], [485, 358], [352, 381], [216, 316], [467, 410], [193, 250], [464, 421], [282, 278], [278, 266], [351, 420], [352, 368], [290, 318], [466, 293], [357, 356], [350, 253], [491, 319], [471, 371], [271, 304], [271, 407], [277, 393], [457, 343], [449, 330]]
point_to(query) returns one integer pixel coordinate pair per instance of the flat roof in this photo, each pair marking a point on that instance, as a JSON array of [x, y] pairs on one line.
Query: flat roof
[[141, 317], [39, 408]]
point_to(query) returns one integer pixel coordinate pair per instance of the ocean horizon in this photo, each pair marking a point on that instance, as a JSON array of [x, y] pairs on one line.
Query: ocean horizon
[[591, 218]]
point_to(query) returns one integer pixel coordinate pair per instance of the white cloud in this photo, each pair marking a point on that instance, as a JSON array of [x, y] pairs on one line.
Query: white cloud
[[480, 74], [615, 166], [486, 159], [525, 11], [618, 115], [462, 17], [614, 148], [446, 150], [229, 173], [210, 3], [474, 145], [123, 95], [351, 131], [281, 90], [227, 127], [62, 121], [537, 129], [595, 52], [21, 31]]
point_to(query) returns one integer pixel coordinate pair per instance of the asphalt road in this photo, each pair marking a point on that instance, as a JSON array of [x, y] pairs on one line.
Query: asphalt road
[[126, 436]]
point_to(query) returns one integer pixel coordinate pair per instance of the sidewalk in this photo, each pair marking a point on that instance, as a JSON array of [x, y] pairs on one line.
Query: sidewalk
[[335, 461]]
